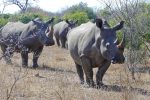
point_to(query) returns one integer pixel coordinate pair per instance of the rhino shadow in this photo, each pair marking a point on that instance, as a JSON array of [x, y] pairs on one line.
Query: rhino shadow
[[145, 69], [117, 88], [46, 67]]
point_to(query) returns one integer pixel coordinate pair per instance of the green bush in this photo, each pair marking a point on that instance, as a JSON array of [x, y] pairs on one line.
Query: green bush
[[26, 17], [4, 18], [81, 7], [3, 21], [23, 17], [80, 16], [147, 37]]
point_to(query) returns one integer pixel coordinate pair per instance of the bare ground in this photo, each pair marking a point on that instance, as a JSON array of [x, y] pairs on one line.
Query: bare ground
[[56, 79]]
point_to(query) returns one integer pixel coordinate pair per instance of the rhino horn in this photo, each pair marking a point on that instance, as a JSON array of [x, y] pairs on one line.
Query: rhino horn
[[51, 31], [122, 43], [116, 42]]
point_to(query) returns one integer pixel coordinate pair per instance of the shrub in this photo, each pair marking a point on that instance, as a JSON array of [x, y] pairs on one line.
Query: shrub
[[80, 16]]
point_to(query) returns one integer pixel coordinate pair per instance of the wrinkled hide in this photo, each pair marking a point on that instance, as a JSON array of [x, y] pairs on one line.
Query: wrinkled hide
[[93, 45], [60, 31], [25, 38]]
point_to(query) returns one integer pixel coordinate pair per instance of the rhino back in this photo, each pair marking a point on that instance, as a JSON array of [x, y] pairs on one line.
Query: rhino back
[[22, 30], [12, 28], [82, 41], [28, 30], [60, 27]]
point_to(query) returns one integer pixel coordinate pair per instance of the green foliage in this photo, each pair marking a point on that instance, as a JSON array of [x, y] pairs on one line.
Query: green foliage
[[6, 16], [38, 12], [57, 19], [81, 7], [147, 37], [23, 17], [13, 18], [137, 23], [3, 21], [80, 16], [26, 17], [31, 13], [105, 13]]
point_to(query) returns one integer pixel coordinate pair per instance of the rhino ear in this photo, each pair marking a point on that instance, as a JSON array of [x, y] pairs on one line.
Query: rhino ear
[[50, 21], [106, 23], [67, 21], [76, 21], [119, 26], [35, 22], [99, 23]]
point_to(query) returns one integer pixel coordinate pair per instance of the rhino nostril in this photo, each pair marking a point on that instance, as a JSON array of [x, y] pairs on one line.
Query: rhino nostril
[[113, 60]]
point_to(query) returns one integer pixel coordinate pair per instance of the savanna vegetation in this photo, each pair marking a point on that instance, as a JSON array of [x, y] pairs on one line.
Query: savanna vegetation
[[56, 78]]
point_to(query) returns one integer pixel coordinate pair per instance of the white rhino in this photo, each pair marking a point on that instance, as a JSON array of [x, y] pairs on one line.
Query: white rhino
[[60, 31], [94, 45], [31, 37]]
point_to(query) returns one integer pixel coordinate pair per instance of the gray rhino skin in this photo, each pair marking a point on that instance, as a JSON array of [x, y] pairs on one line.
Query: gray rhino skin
[[94, 45], [32, 36], [60, 31]]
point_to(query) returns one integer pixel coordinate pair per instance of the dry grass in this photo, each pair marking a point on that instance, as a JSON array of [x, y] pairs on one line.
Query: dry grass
[[56, 79]]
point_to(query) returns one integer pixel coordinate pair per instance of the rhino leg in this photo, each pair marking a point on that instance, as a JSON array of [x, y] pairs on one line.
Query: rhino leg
[[86, 64], [36, 55], [63, 42], [101, 71], [6, 58], [57, 41], [80, 73], [24, 56]]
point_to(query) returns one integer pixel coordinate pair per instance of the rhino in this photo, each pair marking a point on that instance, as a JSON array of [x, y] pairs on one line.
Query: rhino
[[26, 38], [60, 31], [94, 45]]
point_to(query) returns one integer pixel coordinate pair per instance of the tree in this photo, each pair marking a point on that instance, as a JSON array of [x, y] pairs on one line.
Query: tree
[[82, 17], [81, 7], [22, 4], [136, 15]]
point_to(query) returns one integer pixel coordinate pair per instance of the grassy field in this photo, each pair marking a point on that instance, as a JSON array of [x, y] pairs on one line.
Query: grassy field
[[56, 79]]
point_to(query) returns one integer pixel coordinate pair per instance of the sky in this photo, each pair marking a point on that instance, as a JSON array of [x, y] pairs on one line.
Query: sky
[[53, 5]]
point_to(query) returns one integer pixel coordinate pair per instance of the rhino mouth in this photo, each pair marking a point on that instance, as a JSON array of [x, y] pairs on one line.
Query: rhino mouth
[[49, 43], [116, 61], [113, 62]]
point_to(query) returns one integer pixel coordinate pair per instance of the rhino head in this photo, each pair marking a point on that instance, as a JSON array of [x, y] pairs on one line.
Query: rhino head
[[109, 49], [71, 23], [43, 33]]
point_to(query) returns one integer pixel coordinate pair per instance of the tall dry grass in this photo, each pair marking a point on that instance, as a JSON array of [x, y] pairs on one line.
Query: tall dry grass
[[56, 79]]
